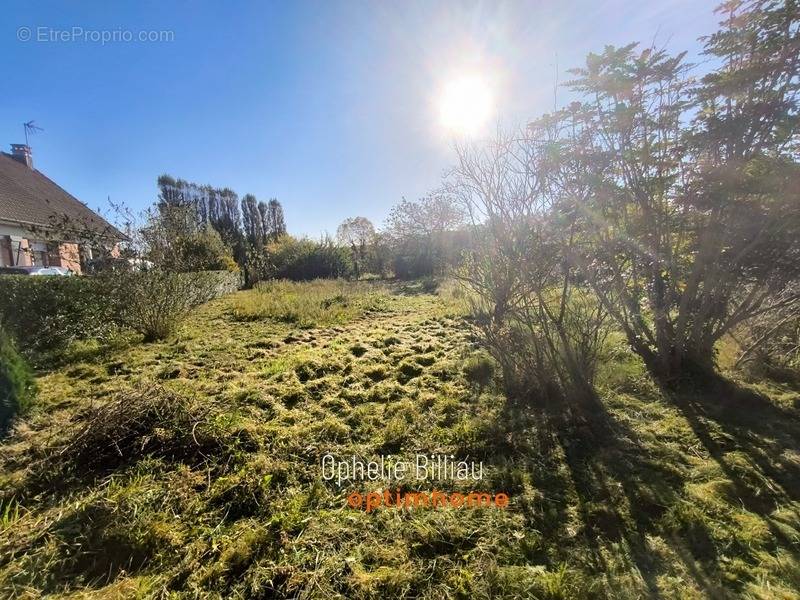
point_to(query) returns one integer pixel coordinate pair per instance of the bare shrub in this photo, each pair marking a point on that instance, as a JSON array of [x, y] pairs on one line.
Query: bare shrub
[[536, 317], [771, 343]]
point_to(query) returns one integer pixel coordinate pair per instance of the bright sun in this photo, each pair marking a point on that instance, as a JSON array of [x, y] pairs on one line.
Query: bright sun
[[465, 105]]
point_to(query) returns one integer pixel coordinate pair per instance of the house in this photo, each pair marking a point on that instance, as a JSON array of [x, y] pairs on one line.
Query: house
[[41, 224]]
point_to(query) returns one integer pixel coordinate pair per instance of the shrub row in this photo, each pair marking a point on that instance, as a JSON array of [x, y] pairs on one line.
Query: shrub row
[[299, 260], [47, 314], [16, 381]]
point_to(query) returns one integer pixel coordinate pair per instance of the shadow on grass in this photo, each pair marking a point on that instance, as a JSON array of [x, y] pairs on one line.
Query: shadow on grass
[[592, 466], [620, 491], [747, 435]]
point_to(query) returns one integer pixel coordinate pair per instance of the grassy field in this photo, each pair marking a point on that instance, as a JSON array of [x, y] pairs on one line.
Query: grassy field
[[191, 468]]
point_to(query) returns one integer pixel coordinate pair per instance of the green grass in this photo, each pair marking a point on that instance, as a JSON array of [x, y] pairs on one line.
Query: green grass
[[191, 467], [320, 302]]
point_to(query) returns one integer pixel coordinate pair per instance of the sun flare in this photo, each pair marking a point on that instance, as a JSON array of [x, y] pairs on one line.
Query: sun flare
[[466, 105]]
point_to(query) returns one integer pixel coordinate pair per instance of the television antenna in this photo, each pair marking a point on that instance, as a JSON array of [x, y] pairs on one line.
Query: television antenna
[[30, 129]]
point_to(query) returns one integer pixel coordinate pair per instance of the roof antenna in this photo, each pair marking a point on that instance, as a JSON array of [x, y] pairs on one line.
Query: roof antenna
[[555, 86], [30, 129]]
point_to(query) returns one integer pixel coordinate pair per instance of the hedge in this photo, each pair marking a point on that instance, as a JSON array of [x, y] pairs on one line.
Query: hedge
[[17, 385], [46, 314]]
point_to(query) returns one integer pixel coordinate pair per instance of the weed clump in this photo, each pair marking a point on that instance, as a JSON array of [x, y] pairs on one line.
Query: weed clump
[[479, 369], [391, 340], [376, 373], [394, 434], [408, 370], [358, 350]]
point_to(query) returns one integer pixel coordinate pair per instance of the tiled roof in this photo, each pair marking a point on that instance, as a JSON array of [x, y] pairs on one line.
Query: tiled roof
[[28, 197]]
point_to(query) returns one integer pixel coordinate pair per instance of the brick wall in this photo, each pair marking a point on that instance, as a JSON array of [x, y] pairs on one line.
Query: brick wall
[[69, 256]]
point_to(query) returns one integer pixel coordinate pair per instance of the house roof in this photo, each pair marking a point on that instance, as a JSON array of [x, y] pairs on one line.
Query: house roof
[[29, 198]]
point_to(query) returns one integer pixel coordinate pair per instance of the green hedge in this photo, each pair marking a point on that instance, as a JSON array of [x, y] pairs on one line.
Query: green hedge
[[46, 314], [17, 385]]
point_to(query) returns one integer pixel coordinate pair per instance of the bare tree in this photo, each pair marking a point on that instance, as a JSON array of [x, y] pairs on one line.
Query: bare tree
[[544, 328], [357, 233]]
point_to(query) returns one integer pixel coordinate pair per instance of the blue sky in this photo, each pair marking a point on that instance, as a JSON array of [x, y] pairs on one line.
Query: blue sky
[[329, 106]]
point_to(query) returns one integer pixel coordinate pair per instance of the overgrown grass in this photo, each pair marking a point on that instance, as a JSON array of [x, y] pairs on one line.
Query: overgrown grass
[[317, 303], [208, 483]]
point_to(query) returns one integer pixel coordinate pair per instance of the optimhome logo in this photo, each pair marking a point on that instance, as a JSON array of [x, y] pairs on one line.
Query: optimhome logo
[[434, 499]]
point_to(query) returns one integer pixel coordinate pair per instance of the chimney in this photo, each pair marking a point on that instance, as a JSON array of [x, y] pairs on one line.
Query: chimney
[[22, 153]]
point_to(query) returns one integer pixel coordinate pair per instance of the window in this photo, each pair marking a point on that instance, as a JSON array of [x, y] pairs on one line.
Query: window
[[6, 258], [39, 254]]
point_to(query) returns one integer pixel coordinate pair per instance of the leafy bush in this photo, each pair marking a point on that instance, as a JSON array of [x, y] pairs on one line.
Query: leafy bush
[[16, 382], [154, 303], [303, 260], [411, 262], [48, 313], [204, 251]]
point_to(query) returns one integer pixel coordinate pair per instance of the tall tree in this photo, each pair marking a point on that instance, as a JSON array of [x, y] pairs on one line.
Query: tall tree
[[357, 233], [263, 213], [224, 216], [253, 223], [424, 234], [275, 225]]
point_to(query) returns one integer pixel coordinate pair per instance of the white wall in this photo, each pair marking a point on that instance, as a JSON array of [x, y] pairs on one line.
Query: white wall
[[14, 230]]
